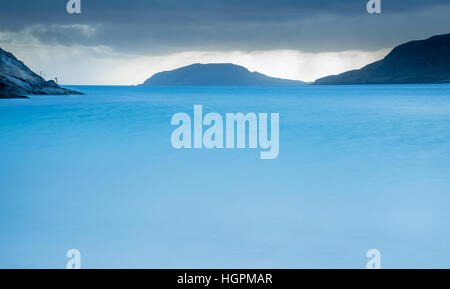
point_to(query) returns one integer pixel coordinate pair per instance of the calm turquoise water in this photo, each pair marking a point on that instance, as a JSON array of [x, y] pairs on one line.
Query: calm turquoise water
[[360, 167]]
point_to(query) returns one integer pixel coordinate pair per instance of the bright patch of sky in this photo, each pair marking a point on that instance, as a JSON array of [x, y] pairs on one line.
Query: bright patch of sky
[[100, 65]]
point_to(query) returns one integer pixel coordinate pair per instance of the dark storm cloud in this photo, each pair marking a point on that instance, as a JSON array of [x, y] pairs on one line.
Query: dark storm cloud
[[167, 25]]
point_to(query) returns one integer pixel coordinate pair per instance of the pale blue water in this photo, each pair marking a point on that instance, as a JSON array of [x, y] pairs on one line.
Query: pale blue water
[[360, 167]]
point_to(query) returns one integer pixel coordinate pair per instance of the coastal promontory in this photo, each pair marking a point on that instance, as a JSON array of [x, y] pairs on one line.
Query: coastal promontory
[[18, 81]]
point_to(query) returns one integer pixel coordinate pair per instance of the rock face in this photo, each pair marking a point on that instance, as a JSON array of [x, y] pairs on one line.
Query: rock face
[[424, 61], [17, 80], [216, 74]]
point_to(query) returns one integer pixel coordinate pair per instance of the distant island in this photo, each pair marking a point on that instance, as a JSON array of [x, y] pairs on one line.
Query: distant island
[[18, 81], [424, 61], [218, 74]]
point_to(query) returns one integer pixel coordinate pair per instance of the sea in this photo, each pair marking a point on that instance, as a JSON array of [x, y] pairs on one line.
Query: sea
[[359, 167]]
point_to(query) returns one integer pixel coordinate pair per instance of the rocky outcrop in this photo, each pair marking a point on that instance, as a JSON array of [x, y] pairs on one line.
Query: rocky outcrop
[[18, 81]]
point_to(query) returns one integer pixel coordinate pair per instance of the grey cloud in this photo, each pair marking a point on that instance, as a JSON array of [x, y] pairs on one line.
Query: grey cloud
[[161, 26], [65, 34]]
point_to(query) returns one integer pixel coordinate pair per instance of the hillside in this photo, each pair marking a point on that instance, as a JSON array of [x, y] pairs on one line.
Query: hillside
[[18, 81], [424, 61]]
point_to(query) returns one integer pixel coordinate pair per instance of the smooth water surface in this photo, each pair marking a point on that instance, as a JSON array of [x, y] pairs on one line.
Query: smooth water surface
[[360, 167]]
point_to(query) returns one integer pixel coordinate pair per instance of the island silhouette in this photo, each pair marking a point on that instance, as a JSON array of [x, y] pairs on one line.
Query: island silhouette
[[216, 74]]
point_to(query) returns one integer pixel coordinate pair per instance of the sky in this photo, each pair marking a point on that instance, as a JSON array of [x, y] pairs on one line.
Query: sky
[[125, 42]]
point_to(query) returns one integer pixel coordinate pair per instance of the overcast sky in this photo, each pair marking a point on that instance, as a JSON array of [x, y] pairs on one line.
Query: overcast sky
[[126, 41]]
